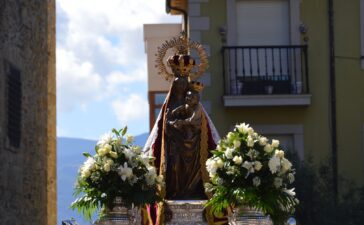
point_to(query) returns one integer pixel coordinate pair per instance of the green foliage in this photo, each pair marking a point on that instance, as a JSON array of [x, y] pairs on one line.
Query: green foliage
[[116, 170], [317, 198], [246, 170]]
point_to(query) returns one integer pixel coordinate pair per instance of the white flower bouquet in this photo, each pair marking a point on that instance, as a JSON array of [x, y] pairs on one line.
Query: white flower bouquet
[[248, 170], [117, 169]]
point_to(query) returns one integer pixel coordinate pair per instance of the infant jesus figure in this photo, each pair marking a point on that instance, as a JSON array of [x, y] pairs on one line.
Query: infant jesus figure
[[188, 117]]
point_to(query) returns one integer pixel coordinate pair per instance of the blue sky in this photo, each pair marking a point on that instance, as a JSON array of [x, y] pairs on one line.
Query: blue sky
[[101, 65]]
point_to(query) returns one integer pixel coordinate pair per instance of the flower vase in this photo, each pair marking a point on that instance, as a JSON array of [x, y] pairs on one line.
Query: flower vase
[[119, 214], [248, 216]]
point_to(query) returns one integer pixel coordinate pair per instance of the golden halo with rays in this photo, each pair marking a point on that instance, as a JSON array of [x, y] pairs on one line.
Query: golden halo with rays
[[182, 45]]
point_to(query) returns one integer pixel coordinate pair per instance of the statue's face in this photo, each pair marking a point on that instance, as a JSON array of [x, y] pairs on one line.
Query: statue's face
[[192, 98], [180, 85]]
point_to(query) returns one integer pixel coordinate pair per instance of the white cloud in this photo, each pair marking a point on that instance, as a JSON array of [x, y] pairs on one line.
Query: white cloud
[[100, 47], [77, 81], [132, 108]]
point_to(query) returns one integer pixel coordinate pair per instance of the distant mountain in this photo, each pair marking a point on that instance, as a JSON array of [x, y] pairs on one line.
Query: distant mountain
[[69, 159]]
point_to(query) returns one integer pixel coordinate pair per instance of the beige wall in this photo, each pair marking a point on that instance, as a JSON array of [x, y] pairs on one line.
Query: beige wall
[[154, 36], [315, 118]]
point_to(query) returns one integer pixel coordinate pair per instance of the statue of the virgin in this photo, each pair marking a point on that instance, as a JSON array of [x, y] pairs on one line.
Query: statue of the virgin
[[183, 133]]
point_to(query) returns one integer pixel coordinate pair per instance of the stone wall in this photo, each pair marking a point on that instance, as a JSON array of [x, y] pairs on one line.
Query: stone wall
[[28, 172]]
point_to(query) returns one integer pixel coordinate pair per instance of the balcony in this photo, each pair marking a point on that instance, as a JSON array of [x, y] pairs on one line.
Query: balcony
[[265, 76]]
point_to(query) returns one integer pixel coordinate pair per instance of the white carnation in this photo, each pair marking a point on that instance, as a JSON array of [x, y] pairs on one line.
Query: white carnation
[[257, 165], [88, 166], [249, 166], [286, 165], [274, 164], [211, 167]]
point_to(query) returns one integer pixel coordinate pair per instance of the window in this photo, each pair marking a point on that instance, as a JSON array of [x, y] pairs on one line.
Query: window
[[263, 55], [13, 105], [290, 136], [156, 100]]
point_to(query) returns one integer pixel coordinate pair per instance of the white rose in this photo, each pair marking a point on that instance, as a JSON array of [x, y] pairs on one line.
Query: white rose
[[279, 154], [256, 181], [211, 167], [107, 148], [229, 153], [101, 151], [274, 164], [219, 163], [110, 161], [268, 148], [238, 160], [107, 167], [257, 165], [291, 178], [263, 141], [250, 141], [85, 173], [113, 154], [275, 143], [237, 143], [250, 131], [278, 182]]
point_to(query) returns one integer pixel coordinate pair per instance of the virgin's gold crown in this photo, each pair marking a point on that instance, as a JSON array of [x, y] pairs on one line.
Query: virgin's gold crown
[[181, 64]]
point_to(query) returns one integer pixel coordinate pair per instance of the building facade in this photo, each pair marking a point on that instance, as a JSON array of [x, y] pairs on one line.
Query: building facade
[[27, 112], [292, 69]]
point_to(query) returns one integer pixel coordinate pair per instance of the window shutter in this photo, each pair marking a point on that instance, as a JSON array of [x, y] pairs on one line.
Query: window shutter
[[13, 105]]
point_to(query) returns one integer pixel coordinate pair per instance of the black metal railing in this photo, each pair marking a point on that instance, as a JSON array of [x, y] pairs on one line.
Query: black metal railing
[[259, 70]]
